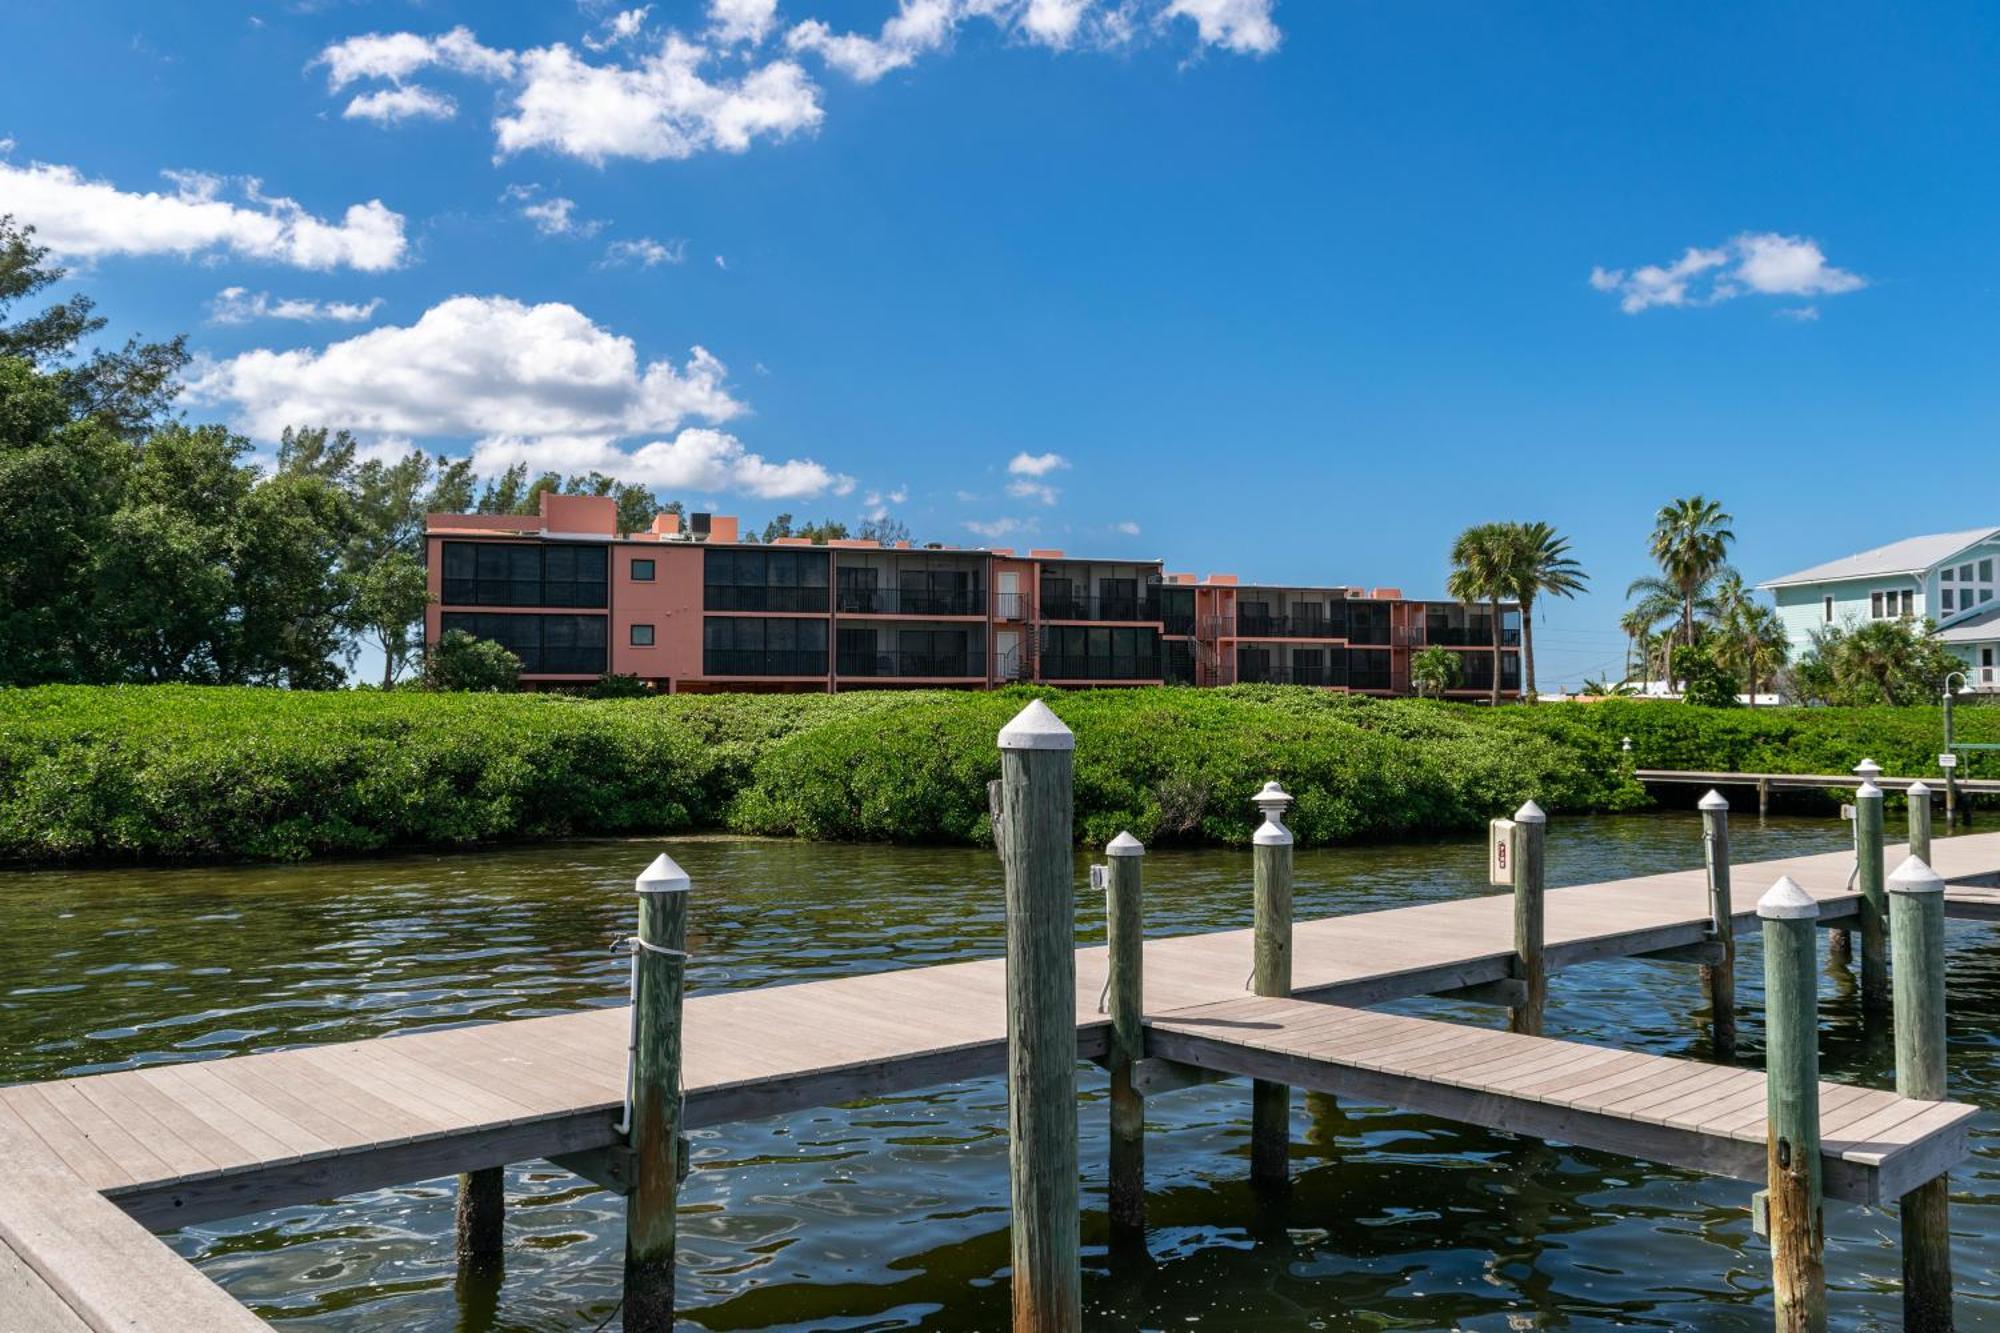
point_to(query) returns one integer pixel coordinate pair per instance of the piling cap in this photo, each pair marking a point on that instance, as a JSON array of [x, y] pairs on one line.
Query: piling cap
[[1124, 845], [1918, 790], [1868, 792], [1913, 876], [1715, 800], [1036, 728], [1786, 901], [1272, 800], [1530, 813], [663, 876], [1868, 769]]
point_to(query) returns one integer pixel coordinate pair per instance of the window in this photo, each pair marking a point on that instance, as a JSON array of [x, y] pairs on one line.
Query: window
[[1100, 652], [1986, 571], [523, 574], [546, 645], [736, 579], [733, 647], [1875, 606], [642, 571], [1827, 613], [1948, 575], [642, 636], [1945, 597], [1965, 573]]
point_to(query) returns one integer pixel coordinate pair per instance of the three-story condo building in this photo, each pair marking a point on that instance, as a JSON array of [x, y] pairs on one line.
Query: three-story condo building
[[696, 608], [1952, 578]]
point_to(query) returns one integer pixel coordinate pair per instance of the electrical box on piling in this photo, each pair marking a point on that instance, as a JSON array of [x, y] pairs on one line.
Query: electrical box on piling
[[1500, 852]]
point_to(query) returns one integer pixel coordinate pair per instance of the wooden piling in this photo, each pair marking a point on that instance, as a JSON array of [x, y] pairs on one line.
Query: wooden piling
[[1919, 795], [1870, 879], [1791, 998], [1719, 977], [482, 1216], [1763, 798], [1916, 905], [1125, 931], [1036, 775], [654, 1116], [1271, 1103], [1529, 835]]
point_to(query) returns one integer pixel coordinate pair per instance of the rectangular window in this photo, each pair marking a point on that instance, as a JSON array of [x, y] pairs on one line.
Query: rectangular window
[[1947, 576], [1875, 606], [1097, 652], [1909, 603], [1946, 597], [1965, 573], [734, 647], [546, 645], [1828, 614], [642, 571], [748, 580], [1986, 571], [521, 574], [642, 636]]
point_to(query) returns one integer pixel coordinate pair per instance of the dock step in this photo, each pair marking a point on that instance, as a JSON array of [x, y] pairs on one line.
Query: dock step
[[1709, 1118]]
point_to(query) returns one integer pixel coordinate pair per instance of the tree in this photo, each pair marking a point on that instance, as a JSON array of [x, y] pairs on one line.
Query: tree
[[1706, 682], [390, 597], [888, 531], [1751, 641], [458, 661], [1538, 562], [1690, 542], [1482, 560], [1433, 671], [1639, 623]]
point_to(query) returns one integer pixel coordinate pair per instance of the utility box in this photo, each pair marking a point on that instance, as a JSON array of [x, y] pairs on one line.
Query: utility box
[[1500, 852]]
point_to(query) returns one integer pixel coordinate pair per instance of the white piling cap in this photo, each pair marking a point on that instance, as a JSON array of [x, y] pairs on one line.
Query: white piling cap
[[1868, 769], [663, 876], [1715, 800], [1530, 813], [1271, 796], [1273, 801], [1036, 728], [1868, 792], [1786, 901], [1913, 876], [1124, 845], [1918, 789]]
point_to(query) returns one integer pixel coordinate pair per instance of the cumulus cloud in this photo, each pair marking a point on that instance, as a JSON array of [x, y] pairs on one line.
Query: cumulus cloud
[[994, 528], [1129, 528], [237, 305], [1242, 26], [83, 218], [553, 216], [733, 21], [1023, 489], [645, 252], [1754, 263], [620, 27], [387, 106], [1025, 464], [875, 504], [695, 459], [395, 56]]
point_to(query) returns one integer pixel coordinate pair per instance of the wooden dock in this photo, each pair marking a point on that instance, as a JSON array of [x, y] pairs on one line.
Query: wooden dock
[[113, 1155], [1805, 781]]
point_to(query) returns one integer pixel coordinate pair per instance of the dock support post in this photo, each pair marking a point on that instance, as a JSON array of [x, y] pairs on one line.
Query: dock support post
[[1529, 835], [1916, 901], [653, 1118], [1920, 826], [1870, 878], [1125, 933], [1720, 976], [1271, 1103], [482, 1215], [1763, 797], [1791, 997], [1037, 757]]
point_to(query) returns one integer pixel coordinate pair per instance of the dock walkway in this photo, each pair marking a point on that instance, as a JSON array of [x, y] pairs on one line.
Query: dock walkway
[[174, 1145]]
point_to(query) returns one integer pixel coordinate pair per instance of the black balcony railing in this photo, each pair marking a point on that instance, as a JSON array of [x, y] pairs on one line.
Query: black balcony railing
[[893, 665], [1478, 634], [1253, 626], [1069, 666], [763, 662], [1292, 675], [909, 602], [1082, 606]]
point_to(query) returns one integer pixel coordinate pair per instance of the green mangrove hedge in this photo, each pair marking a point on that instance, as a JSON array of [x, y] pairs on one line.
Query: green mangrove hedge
[[170, 773]]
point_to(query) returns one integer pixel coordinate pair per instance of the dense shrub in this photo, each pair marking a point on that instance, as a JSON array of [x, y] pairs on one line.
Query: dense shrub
[[189, 773]]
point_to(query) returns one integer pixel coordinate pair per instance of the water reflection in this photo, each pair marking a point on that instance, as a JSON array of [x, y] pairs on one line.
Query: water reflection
[[892, 1213]]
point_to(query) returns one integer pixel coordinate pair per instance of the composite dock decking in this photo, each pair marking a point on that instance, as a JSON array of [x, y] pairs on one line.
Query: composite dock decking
[[178, 1144]]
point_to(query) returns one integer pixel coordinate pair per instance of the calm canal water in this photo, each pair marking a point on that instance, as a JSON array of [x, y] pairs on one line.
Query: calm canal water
[[892, 1213]]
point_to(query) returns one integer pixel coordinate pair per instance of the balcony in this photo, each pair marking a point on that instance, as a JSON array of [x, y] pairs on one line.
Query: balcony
[[763, 662], [1982, 680], [1082, 606], [891, 665], [1072, 667], [1478, 634], [1295, 675], [909, 602], [1251, 626]]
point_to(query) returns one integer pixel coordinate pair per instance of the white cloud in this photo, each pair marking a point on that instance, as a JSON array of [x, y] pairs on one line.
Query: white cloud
[[620, 27], [1803, 314], [1763, 263], [875, 504], [645, 252], [85, 218], [1023, 489], [553, 216], [732, 21], [1054, 22], [1025, 464], [1242, 26], [472, 366], [1129, 528], [916, 28], [387, 106], [994, 528], [722, 263], [695, 459], [235, 305], [397, 55]]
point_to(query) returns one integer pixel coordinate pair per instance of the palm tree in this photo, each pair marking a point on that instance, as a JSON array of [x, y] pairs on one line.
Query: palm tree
[[1754, 642], [1482, 560], [1639, 624], [1433, 671], [1690, 541], [1539, 562]]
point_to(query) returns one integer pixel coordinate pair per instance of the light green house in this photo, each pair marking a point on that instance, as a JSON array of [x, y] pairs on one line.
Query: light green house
[[1950, 577]]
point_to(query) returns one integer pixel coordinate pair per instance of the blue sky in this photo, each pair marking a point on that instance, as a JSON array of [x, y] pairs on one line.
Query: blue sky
[[1291, 290]]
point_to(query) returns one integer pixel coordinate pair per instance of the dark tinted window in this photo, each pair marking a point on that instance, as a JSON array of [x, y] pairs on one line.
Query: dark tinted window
[[642, 571], [546, 645], [740, 647], [736, 579], [523, 574]]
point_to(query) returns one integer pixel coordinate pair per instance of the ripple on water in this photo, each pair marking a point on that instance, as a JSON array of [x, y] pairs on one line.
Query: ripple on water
[[892, 1213]]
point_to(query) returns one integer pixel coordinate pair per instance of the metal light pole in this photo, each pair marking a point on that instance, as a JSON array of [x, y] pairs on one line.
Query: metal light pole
[[1951, 769]]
